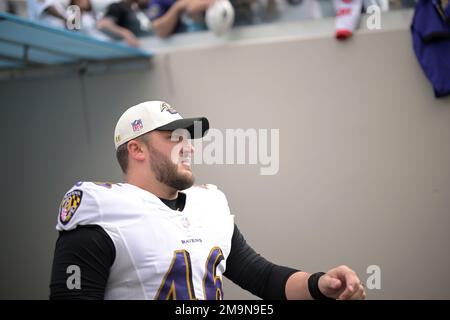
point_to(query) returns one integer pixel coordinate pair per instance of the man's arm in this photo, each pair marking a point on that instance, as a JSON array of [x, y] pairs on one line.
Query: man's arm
[[266, 280], [253, 273], [115, 16], [107, 24], [51, 10], [165, 25], [88, 249]]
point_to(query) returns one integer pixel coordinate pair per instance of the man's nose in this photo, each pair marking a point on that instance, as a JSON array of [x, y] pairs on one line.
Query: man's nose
[[187, 146]]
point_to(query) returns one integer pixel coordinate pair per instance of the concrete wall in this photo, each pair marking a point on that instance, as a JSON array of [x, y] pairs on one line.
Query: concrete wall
[[364, 173]]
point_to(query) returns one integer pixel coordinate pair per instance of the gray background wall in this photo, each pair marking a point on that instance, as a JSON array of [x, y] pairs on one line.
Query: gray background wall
[[364, 160]]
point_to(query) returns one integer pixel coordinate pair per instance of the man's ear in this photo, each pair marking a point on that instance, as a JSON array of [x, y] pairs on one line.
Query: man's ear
[[136, 150]]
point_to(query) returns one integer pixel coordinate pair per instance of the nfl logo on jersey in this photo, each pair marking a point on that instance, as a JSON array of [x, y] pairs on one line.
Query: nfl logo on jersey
[[137, 125]]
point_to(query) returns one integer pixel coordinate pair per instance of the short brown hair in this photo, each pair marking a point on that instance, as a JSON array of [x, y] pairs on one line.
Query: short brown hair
[[122, 157], [122, 152]]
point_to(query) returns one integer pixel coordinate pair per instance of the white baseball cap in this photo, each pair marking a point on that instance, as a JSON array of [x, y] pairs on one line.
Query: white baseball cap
[[155, 115]]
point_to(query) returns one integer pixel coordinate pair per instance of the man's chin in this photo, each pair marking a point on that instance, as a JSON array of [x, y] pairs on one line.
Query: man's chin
[[185, 179], [185, 184]]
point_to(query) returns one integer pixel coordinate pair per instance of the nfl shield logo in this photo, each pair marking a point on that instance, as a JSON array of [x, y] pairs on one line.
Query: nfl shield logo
[[185, 222], [137, 125]]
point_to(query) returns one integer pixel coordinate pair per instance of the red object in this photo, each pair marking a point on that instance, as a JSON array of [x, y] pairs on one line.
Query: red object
[[344, 11], [343, 34]]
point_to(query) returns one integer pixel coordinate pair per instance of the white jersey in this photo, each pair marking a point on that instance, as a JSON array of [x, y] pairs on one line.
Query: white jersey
[[36, 11], [160, 253]]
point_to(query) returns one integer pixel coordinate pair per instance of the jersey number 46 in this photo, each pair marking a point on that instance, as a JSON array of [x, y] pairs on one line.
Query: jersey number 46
[[177, 282]]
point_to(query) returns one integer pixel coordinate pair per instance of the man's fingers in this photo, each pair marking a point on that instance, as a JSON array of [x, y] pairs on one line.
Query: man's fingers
[[346, 294], [352, 283], [330, 286], [356, 293], [331, 283], [359, 293], [335, 283], [350, 287]]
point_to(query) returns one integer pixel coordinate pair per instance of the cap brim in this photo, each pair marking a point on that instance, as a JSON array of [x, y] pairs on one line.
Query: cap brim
[[197, 127]]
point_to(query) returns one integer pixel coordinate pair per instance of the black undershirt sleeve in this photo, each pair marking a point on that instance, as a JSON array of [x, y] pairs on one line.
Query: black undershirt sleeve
[[253, 273], [92, 250]]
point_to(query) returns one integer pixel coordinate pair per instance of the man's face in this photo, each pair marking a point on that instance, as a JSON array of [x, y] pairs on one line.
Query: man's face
[[171, 158], [84, 5]]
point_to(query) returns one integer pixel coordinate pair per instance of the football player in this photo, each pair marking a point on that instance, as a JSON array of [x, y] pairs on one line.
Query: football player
[[157, 236]]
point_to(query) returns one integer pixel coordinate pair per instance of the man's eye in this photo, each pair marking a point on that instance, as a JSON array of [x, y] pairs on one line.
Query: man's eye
[[176, 139]]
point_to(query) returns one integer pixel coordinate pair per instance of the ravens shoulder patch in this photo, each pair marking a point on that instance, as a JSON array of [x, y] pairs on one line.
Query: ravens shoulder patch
[[69, 205]]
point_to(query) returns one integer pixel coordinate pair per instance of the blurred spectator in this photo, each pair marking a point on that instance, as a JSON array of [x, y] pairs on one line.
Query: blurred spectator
[[52, 12], [169, 16], [7, 6], [88, 19], [246, 12], [126, 20], [398, 4], [250, 12]]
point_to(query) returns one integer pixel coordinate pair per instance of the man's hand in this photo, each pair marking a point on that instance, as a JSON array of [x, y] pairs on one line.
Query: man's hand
[[342, 283], [107, 24], [130, 38], [51, 10]]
